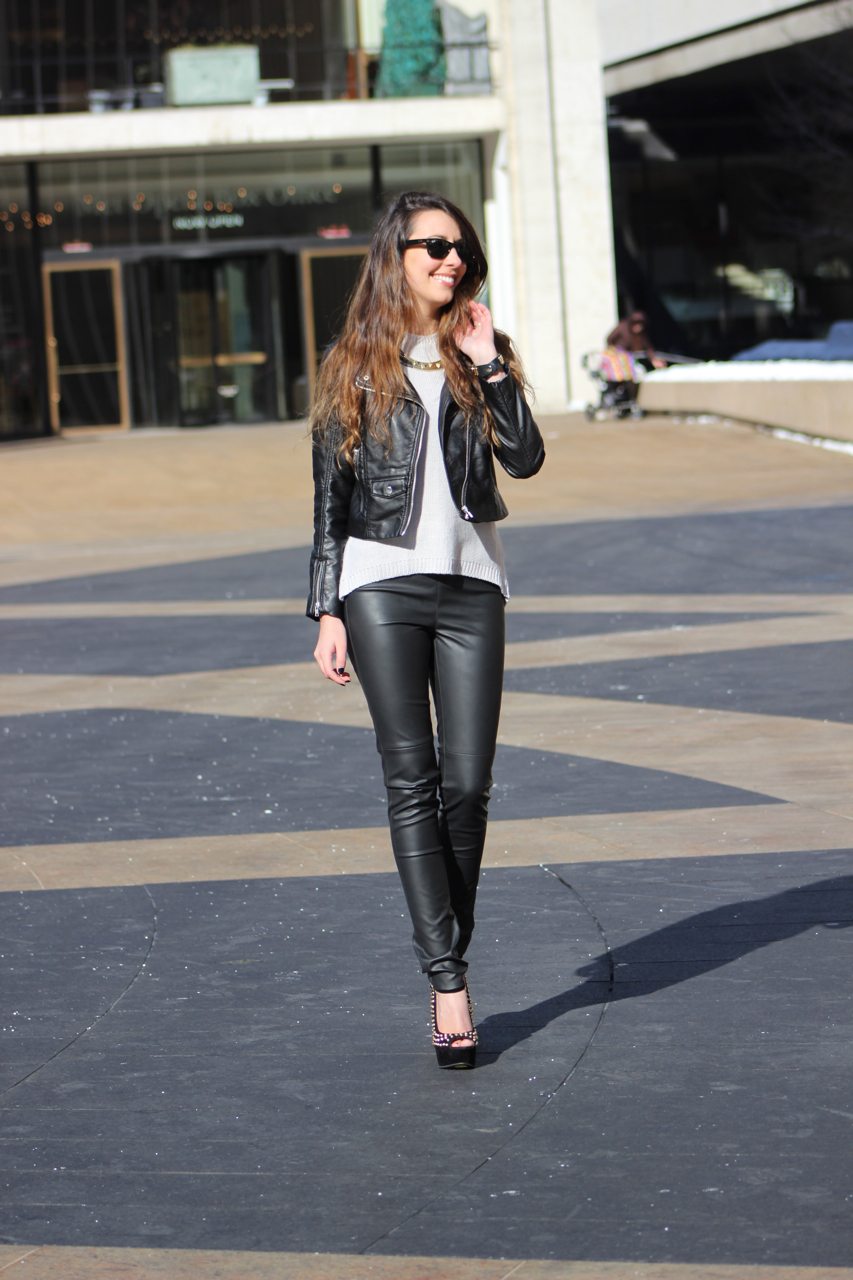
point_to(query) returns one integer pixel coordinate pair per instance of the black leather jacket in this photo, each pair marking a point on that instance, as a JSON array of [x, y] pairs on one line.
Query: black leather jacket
[[372, 498]]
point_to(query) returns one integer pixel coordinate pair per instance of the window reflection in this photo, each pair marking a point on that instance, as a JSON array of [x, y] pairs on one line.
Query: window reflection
[[209, 250], [21, 384], [206, 197], [732, 204], [120, 55]]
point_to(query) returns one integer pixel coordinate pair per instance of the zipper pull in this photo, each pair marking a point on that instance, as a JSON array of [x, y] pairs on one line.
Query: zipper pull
[[466, 514]]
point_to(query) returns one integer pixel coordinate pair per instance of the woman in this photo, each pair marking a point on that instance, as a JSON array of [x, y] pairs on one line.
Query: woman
[[628, 352], [407, 575], [632, 334]]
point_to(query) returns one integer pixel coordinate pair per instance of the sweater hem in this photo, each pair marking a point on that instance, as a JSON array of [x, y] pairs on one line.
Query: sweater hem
[[381, 572]]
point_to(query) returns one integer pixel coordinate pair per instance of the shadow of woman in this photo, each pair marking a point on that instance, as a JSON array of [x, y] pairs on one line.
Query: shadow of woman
[[678, 952]]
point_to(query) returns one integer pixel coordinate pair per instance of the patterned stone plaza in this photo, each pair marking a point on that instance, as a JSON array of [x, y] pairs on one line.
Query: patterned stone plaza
[[215, 1052]]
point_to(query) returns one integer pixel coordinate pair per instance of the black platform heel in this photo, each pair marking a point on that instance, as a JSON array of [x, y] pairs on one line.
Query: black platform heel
[[447, 1051]]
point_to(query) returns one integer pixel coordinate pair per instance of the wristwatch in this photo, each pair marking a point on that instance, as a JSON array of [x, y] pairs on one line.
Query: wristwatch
[[498, 365]]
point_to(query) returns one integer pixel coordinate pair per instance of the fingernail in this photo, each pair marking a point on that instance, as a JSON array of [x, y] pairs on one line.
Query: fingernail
[[340, 671]]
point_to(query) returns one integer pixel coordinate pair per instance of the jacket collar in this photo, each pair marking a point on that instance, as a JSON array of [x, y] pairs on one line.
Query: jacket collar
[[365, 383]]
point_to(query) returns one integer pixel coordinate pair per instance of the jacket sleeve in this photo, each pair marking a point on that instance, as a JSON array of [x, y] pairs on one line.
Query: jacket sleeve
[[334, 480], [519, 447]]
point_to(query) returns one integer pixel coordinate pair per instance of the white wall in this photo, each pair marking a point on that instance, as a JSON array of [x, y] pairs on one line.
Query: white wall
[[556, 179], [632, 28], [283, 124]]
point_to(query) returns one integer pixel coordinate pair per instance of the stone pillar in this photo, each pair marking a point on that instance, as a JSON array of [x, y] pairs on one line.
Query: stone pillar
[[562, 250]]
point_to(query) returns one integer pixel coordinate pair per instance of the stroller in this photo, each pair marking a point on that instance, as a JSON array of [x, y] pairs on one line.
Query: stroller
[[617, 374]]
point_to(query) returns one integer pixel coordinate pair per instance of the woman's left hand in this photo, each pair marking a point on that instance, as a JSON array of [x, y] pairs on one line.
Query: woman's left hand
[[476, 339]]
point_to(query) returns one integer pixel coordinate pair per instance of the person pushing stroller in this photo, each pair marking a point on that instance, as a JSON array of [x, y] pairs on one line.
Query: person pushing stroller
[[619, 368]]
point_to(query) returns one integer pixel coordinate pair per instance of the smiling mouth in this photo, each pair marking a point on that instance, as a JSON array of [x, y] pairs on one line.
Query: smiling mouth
[[443, 278]]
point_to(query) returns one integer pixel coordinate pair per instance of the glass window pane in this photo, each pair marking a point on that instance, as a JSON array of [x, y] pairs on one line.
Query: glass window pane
[[206, 197], [453, 169], [89, 399], [20, 311]]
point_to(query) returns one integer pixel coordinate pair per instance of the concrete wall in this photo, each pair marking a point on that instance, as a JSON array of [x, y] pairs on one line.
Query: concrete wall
[[631, 30], [290, 124], [559, 187], [688, 44], [548, 212], [813, 406]]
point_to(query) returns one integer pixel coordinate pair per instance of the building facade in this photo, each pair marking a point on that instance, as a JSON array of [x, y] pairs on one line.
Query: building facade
[[731, 145], [187, 190]]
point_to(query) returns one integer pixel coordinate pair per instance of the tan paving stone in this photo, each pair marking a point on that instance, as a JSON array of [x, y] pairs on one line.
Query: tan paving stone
[[16, 875], [153, 484], [298, 692], [118, 503], [366, 850], [157, 483], [195, 858], [804, 761], [614, 470], [158, 609], [44, 561], [679, 833], [676, 641], [56, 1263], [295, 606], [295, 691], [821, 626], [687, 603]]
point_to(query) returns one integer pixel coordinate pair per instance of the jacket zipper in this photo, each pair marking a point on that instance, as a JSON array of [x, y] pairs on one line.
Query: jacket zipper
[[410, 501], [466, 513], [317, 574], [443, 404]]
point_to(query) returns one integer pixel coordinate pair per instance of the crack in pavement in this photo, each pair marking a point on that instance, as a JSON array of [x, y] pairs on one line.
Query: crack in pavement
[[105, 1012], [546, 1101]]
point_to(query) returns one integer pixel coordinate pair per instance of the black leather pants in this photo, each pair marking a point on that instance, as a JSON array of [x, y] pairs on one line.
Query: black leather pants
[[406, 635]]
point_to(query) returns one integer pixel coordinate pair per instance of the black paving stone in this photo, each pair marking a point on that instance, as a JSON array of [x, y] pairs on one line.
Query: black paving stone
[[109, 775], [791, 550], [291, 1088], [172, 645], [665, 1064], [556, 626], [811, 681], [234, 1097], [258, 575], [151, 646]]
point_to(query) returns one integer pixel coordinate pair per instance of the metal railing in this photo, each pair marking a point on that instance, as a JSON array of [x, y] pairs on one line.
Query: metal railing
[[41, 83]]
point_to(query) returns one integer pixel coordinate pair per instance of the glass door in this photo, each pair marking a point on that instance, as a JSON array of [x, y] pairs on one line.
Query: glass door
[[328, 277], [225, 366], [86, 363]]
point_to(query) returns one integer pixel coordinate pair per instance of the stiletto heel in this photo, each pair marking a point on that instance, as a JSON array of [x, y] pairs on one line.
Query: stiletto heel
[[447, 1051]]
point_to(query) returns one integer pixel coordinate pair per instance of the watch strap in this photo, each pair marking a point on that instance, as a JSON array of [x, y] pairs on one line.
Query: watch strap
[[498, 365]]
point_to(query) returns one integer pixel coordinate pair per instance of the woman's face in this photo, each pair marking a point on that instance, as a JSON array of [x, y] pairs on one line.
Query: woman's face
[[432, 282]]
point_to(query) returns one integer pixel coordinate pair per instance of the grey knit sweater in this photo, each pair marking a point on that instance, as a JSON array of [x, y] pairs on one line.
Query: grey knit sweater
[[437, 540]]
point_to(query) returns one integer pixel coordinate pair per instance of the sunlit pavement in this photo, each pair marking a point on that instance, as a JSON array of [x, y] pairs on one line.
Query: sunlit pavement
[[215, 1050]]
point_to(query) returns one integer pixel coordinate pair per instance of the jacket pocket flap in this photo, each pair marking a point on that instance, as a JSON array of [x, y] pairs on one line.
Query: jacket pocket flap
[[388, 486]]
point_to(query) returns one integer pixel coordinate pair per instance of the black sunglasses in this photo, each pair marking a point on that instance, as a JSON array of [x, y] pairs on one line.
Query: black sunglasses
[[437, 247]]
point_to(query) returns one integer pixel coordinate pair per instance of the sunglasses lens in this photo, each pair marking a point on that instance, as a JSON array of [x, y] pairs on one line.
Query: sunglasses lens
[[439, 248]]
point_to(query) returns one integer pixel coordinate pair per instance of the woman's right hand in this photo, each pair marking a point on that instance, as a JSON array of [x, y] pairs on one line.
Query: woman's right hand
[[331, 650]]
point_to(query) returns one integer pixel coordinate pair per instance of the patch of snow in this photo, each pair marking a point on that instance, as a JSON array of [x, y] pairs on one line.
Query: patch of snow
[[756, 371]]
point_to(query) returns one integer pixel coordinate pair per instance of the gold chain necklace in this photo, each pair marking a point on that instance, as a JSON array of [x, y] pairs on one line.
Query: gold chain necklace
[[420, 364]]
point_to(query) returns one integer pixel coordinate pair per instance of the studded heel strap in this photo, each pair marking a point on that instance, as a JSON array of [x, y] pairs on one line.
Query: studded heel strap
[[450, 1039]]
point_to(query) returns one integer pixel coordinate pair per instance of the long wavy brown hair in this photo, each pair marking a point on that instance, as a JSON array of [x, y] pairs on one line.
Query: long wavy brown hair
[[381, 312]]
